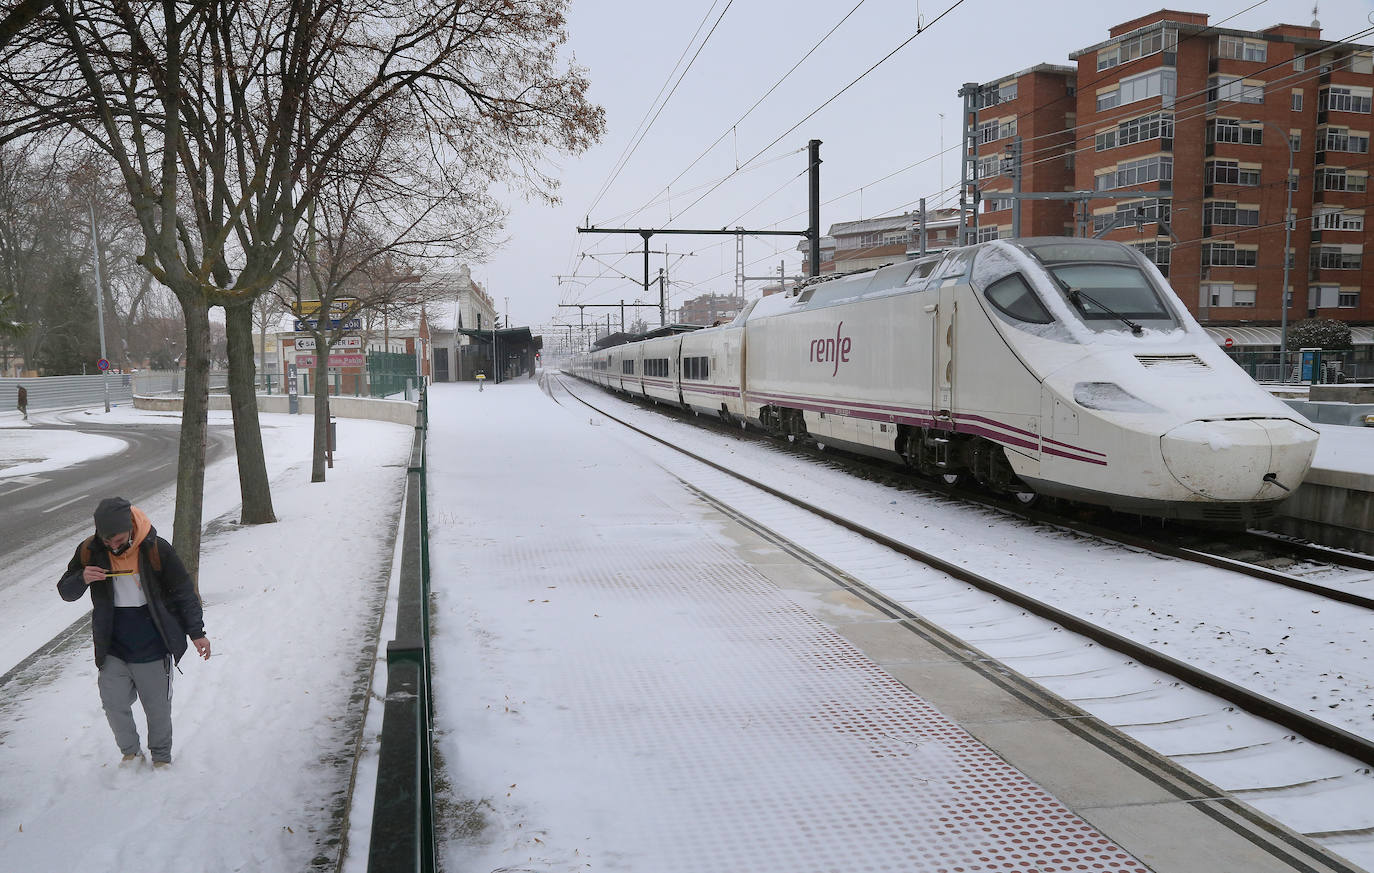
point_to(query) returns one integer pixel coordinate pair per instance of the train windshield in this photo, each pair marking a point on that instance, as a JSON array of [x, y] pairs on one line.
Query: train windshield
[[1105, 286]]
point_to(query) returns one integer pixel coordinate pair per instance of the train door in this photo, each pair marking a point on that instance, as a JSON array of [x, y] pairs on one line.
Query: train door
[[942, 346]]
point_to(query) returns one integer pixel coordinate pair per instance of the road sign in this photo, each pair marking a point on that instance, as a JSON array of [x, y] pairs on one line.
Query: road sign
[[339, 304], [102, 365], [334, 360], [1229, 342], [334, 324], [307, 343]]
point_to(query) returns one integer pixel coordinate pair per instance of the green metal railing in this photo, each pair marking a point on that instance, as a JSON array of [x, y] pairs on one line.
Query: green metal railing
[[403, 832], [390, 373]]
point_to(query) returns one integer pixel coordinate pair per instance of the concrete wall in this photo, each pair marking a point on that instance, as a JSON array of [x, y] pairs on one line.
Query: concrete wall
[[398, 411], [1330, 411], [1337, 514]]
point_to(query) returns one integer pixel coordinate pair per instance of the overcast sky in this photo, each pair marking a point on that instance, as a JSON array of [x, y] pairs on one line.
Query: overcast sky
[[712, 159]]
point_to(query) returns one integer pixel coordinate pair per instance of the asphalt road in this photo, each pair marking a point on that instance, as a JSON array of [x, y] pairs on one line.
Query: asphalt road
[[37, 509]]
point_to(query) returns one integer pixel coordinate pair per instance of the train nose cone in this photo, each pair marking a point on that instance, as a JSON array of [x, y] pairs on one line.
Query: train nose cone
[[1229, 460]]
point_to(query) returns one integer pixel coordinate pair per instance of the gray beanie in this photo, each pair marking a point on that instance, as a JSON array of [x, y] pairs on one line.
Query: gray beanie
[[113, 516]]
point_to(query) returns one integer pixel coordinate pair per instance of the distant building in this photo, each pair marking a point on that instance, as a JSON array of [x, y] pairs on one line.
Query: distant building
[[710, 308], [463, 306]]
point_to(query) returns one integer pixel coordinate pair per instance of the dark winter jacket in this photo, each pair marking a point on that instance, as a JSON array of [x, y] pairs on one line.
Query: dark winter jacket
[[172, 600]]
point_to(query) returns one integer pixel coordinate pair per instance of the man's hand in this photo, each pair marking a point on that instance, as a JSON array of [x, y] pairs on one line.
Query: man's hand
[[93, 574], [202, 647]]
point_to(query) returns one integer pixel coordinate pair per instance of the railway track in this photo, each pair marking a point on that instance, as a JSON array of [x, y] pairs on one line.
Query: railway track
[[1340, 576], [1281, 758]]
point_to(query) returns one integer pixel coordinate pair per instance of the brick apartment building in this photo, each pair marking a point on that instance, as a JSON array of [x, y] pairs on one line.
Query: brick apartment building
[[710, 308], [1199, 120], [873, 242]]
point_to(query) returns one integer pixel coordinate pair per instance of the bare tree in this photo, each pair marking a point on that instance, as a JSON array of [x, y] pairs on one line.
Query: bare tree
[[226, 118]]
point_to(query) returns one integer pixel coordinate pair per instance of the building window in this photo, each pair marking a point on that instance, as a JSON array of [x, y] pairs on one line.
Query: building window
[[993, 165], [1157, 169], [1156, 83], [1337, 219], [1231, 130], [1239, 49], [1340, 139], [1243, 297], [1158, 252], [1294, 177], [1297, 101], [1105, 140], [1227, 212], [993, 203], [1231, 173], [1295, 141], [1349, 300], [1127, 214], [1335, 98], [1299, 63], [1235, 89], [1227, 255], [990, 95], [1007, 129], [1337, 257], [1362, 62], [987, 234], [987, 131], [1215, 294], [1337, 179], [1165, 39], [1108, 99]]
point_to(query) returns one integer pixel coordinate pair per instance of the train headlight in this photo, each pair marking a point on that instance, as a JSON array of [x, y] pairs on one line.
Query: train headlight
[[1109, 397]]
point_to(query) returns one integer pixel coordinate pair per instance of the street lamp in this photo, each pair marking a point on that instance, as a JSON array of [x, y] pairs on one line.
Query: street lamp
[[1287, 252]]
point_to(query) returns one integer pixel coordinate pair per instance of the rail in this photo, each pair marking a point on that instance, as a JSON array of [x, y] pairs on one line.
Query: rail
[[403, 811]]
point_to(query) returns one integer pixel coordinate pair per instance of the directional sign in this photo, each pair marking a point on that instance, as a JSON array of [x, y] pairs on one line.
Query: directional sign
[[334, 324], [102, 365], [307, 343], [340, 304], [334, 360]]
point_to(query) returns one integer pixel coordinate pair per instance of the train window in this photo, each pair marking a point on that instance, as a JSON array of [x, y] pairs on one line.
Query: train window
[[1111, 292], [627, 367], [696, 368], [1014, 297]]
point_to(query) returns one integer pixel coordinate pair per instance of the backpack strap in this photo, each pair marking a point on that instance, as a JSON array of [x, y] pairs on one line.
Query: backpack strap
[[155, 557]]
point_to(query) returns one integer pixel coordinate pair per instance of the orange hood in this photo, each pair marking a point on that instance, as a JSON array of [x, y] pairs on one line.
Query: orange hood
[[129, 560]]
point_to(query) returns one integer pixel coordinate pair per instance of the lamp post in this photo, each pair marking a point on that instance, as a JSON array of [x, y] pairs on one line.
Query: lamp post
[[1287, 252]]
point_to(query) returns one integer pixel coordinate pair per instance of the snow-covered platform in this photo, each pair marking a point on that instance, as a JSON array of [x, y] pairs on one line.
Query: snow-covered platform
[[627, 678]]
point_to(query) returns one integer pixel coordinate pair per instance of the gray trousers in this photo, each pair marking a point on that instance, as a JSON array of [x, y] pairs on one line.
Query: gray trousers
[[151, 684]]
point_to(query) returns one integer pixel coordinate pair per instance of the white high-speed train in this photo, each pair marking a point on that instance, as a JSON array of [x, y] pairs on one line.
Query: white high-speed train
[[1064, 367]]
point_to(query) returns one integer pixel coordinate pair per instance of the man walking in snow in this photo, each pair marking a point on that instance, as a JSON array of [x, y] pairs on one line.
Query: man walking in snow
[[144, 606], [23, 403]]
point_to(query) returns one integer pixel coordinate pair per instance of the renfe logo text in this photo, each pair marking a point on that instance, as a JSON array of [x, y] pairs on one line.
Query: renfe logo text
[[831, 349]]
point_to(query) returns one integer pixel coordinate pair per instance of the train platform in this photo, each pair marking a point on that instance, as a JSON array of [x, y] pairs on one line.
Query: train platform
[[1335, 503], [627, 677]]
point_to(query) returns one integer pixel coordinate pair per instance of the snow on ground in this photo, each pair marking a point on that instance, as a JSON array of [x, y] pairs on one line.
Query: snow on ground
[[264, 729], [25, 450]]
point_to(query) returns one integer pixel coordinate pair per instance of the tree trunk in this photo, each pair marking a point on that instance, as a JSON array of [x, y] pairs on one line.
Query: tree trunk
[[194, 430], [254, 488], [320, 385]]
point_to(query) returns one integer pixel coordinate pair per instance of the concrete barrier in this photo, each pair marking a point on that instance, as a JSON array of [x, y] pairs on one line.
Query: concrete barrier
[[1332, 411], [398, 411]]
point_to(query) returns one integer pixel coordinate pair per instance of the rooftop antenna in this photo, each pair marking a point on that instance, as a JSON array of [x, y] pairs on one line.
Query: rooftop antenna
[[1315, 23]]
